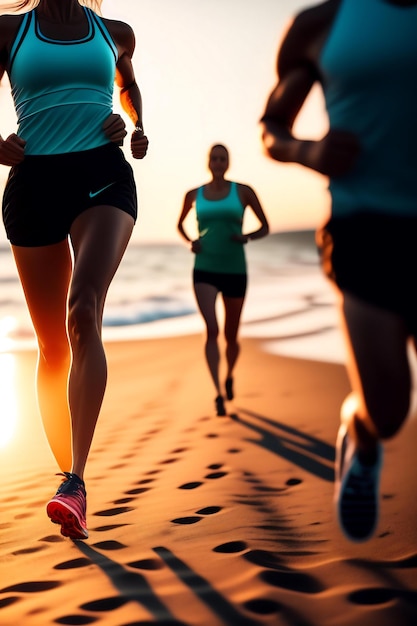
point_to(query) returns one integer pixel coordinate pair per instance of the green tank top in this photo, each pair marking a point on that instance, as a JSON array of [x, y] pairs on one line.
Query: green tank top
[[369, 68], [217, 221], [62, 90]]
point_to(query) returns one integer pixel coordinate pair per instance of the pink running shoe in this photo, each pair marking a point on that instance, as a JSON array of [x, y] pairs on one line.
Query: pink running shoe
[[68, 507]]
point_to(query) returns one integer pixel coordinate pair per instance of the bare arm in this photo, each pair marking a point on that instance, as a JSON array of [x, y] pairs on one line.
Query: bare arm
[[298, 71], [249, 198], [130, 95], [186, 208]]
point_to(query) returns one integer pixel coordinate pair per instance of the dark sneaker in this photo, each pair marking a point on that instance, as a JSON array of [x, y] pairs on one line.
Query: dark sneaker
[[356, 489], [68, 507], [220, 410], [229, 388]]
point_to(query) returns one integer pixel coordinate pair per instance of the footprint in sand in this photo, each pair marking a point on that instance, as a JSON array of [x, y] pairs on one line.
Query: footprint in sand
[[186, 520], [73, 564], [102, 529], [209, 510], [169, 461], [53, 539], [192, 485], [32, 587], [76, 620], [292, 581], [5, 602], [193, 519], [116, 511], [262, 606], [28, 550], [147, 564], [137, 491], [23, 515], [291, 482], [264, 558], [231, 547], [381, 595], [123, 501], [109, 545], [106, 604], [211, 476], [215, 475]]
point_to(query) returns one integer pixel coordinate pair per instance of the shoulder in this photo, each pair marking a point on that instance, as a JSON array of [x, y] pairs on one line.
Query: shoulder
[[241, 187], [191, 195], [246, 194], [306, 29], [121, 33], [244, 189]]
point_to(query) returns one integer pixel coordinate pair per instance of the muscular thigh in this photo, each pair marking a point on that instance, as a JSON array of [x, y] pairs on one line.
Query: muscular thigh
[[45, 274]]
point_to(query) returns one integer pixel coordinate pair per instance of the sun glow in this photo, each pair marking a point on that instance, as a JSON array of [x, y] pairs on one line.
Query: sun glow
[[8, 409], [7, 325]]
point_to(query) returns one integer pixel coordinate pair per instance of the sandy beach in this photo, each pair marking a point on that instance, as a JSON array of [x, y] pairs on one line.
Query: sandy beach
[[202, 520]]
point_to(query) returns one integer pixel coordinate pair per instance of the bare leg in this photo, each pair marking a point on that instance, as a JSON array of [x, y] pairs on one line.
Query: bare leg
[[206, 299], [99, 237], [379, 372], [45, 274], [233, 308]]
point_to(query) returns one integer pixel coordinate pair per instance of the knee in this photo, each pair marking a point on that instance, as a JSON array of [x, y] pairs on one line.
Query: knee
[[231, 339], [82, 317], [55, 354], [212, 332]]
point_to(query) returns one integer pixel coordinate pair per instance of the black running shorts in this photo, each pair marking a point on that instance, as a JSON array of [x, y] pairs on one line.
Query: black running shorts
[[374, 258], [230, 285], [45, 194]]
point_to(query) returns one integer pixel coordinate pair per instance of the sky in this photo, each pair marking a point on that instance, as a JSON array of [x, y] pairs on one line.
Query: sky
[[205, 69]]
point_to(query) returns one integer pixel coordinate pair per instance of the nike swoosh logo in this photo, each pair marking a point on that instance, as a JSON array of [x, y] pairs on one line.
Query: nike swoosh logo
[[93, 194]]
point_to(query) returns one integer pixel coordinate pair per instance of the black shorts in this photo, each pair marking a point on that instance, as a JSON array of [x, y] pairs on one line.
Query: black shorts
[[44, 194], [374, 258], [230, 285]]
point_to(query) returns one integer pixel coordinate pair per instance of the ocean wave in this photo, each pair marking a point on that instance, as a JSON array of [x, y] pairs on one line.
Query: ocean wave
[[126, 318]]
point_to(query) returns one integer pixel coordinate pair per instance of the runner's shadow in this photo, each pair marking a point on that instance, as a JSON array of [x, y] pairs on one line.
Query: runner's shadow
[[203, 589], [133, 587], [309, 453], [226, 611]]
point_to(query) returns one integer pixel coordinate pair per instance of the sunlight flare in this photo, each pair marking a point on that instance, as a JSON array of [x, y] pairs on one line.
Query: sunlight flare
[[8, 410], [7, 325]]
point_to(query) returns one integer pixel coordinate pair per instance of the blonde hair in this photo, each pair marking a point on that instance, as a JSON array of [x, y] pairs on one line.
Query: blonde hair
[[27, 5]]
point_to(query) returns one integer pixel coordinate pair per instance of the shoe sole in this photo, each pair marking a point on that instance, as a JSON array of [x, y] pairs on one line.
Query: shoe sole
[[60, 513], [355, 532]]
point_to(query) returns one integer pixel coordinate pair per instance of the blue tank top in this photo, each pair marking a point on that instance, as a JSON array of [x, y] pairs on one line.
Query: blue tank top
[[62, 90], [217, 221], [369, 66]]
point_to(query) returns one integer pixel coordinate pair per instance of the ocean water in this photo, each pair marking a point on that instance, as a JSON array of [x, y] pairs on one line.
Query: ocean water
[[289, 303]]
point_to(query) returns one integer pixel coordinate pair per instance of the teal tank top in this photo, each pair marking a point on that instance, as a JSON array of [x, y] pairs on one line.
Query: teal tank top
[[369, 69], [217, 221], [62, 90]]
